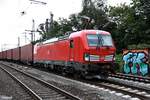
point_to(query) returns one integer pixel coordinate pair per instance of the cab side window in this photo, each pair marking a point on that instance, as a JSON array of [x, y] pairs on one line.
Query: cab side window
[[71, 44]]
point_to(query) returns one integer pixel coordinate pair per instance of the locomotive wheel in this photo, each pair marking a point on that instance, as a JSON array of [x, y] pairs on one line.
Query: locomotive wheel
[[77, 75], [64, 73], [104, 75]]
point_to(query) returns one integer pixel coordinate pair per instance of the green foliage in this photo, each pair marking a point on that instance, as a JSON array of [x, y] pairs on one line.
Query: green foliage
[[93, 9], [118, 63], [128, 24], [132, 24], [139, 46]]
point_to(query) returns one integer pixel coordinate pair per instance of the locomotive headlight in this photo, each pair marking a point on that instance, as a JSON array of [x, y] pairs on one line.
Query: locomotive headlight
[[114, 59], [86, 57], [109, 57]]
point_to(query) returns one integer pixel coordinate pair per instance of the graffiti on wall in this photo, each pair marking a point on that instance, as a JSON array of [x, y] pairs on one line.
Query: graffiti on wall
[[135, 62]]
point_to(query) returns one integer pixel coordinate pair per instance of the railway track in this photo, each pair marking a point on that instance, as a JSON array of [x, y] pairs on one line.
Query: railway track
[[125, 89], [10, 89], [140, 93], [38, 89], [131, 77]]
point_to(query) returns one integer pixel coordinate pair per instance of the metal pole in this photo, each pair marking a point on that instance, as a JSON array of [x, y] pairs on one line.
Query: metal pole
[[25, 37], [32, 32], [18, 41], [1, 47], [51, 20]]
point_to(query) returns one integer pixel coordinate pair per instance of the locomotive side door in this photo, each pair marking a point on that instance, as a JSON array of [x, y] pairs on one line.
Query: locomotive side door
[[71, 50]]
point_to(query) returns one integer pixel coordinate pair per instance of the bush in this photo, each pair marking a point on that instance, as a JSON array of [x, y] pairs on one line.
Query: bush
[[139, 46], [118, 63]]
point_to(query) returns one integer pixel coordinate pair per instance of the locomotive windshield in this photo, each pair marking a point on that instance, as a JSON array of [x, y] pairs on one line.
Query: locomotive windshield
[[99, 40]]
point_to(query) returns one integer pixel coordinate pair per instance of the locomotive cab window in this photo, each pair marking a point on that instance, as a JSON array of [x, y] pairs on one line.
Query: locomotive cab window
[[71, 44], [92, 39], [99, 40]]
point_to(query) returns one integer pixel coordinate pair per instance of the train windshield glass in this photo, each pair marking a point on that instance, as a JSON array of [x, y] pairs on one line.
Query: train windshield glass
[[99, 40]]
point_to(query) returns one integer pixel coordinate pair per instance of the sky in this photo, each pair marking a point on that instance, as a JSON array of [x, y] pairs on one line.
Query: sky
[[13, 24]]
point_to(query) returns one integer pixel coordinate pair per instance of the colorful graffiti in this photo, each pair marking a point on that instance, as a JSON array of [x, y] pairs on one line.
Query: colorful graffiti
[[136, 62]]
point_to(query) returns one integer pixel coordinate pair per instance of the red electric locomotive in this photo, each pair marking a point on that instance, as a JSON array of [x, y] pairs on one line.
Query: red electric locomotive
[[85, 53], [81, 53]]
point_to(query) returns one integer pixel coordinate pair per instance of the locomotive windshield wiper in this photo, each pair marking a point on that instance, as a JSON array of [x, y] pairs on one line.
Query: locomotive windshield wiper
[[100, 41]]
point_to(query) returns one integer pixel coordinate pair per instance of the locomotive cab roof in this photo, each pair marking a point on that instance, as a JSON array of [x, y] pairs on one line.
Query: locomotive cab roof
[[74, 34], [79, 33]]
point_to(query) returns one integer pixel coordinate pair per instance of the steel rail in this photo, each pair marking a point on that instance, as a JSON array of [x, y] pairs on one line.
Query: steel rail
[[130, 86], [67, 94], [142, 97], [131, 77], [27, 89], [110, 86]]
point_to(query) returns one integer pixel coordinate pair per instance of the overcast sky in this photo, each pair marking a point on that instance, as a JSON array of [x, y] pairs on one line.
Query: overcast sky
[[12, 24]]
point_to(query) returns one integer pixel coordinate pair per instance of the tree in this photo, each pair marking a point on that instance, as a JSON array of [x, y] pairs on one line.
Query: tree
[[132, 24], [94, 9], [144, 6]]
